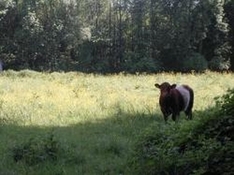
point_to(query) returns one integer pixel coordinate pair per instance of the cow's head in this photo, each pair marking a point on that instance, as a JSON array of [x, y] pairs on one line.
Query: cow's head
[[165, 87]]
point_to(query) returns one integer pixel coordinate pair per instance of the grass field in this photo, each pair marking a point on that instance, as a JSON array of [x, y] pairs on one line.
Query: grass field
[[90, 121]]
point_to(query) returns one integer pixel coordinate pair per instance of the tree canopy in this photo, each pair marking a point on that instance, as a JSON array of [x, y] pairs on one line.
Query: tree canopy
[[111, 36]]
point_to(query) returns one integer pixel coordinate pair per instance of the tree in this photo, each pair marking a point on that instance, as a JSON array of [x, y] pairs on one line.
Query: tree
[[228, 7], [117, 35], [216, 45], [41, 34]]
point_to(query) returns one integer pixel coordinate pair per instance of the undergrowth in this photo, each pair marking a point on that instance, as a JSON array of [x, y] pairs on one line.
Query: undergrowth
[[37, 150], [203, 146]]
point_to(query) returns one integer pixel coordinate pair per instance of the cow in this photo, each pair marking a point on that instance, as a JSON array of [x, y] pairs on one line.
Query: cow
[[174, 99]]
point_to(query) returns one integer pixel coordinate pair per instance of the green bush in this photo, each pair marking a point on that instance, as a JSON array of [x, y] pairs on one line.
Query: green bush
[[134, 62], [219, 64], [196, 62], [226, 103], [201, 146]]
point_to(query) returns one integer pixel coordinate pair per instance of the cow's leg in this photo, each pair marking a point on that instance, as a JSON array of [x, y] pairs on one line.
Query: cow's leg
[[165, 114], [175, 116], [188, 111], [165, 118], [175, 112], [189, 114]]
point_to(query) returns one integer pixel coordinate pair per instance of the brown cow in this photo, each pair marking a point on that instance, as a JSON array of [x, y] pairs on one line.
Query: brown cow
[[174, 99]]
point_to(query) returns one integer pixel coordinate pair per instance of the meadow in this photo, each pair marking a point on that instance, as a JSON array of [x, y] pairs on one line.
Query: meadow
[[75, 123]]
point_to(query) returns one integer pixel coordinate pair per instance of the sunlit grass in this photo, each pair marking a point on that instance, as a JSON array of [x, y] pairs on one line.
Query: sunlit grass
[[95, 117], [63, 100], [59, 99]]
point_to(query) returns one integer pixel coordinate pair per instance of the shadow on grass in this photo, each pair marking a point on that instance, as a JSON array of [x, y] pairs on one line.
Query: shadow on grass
[[95, 147]]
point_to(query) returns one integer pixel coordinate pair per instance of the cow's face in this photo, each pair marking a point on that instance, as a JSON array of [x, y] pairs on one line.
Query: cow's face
[[165, 87]]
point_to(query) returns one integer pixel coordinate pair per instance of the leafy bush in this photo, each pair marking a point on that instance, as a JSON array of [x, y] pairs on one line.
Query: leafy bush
[[226, 103], [202, 146], [196, 62], [134, 62], [219, 64]]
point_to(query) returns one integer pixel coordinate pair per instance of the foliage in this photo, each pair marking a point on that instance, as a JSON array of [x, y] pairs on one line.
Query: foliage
[[135, 63], [195, 62], [229, 5], [204, 146], [220, 56], [38, 35], [119, 35], [226, 102]]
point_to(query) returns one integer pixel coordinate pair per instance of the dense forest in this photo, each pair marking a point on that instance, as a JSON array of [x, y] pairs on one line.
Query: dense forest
[[109, 36]]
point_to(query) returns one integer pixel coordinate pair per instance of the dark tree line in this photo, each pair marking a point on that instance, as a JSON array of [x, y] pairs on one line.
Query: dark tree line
[[117, 35]]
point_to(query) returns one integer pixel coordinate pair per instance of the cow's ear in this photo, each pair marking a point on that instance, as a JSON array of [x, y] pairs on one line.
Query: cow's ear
[[157, 85], [173, 86]]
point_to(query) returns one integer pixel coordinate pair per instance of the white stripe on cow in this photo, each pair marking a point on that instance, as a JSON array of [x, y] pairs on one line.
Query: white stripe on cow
[[185, 94]]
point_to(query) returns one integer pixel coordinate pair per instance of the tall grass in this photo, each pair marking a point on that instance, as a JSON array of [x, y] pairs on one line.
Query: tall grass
[[95, 119]]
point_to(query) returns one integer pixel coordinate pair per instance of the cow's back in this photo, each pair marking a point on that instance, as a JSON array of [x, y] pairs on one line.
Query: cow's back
[[183, 90]]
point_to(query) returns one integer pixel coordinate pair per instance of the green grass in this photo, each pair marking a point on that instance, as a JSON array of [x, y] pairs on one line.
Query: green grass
[[94, 119]]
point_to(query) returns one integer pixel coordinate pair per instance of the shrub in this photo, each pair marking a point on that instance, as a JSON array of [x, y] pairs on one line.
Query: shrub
[[202, 146], [226, 103], [134, 62], [196, 62], [219, 64]]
